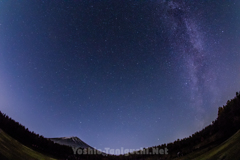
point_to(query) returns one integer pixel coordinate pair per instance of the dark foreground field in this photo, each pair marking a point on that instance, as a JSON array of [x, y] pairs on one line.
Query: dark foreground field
[[228, 150], [11, 149]]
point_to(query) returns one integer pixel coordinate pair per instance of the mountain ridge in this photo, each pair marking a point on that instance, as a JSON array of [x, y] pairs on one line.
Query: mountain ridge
[[72, 141]]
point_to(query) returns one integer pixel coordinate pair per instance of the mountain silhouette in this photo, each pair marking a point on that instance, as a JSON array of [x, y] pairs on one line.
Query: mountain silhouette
[[71, 141]]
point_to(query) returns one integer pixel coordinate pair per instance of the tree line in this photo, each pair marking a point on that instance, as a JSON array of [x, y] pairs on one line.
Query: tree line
[[226, 124]]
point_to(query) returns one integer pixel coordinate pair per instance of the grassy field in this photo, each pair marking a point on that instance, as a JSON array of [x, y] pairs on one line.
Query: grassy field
[[228, 150], [10, 149]]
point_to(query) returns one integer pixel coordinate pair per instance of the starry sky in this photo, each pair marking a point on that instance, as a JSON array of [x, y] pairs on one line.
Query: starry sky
[[118, 73]]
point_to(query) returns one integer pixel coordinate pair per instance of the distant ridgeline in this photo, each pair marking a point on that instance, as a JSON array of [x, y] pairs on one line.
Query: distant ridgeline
[[71, 141], [226, 124]]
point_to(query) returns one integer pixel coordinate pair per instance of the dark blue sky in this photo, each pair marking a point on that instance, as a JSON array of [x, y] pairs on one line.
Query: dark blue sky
[[118, 74]]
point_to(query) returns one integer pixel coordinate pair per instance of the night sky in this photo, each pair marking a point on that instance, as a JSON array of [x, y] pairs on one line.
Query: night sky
[[118, 73]]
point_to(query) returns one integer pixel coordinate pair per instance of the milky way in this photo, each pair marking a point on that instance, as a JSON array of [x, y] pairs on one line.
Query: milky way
[[187, 41]]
